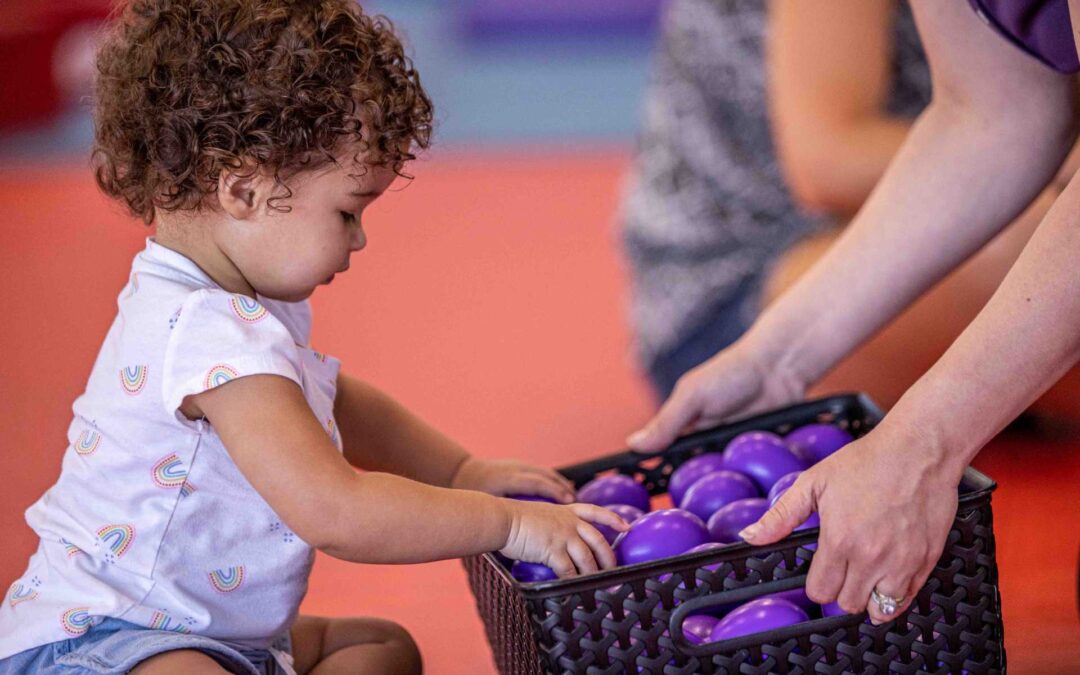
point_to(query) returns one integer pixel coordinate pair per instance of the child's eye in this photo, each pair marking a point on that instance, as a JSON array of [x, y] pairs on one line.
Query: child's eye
[[348, 217]]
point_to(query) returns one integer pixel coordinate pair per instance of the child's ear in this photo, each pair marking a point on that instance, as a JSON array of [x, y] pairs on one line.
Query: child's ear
[[240, 191]]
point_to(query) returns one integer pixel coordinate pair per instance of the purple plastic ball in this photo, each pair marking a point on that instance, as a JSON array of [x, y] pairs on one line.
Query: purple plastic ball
[[725, 525], [762, 456], [532, 498], [815, 442], [797, 597], [783, 484], [716, 490], [757, 616], [698, 627], [617, 489], [624, 511], [690, 472], [660, 534], [528, 572], [832, 609]]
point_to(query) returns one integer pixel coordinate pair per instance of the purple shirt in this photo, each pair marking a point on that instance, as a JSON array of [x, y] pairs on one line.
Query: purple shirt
[[1040, 27]]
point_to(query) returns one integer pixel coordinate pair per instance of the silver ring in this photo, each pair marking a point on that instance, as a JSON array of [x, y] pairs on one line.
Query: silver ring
[[886, 603]]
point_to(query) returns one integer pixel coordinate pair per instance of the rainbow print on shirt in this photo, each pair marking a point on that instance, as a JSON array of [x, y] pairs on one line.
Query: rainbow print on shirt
[[71, 549], [169, 472], [117, 537], [76, 620], [228, 579], [19, 593], [87, 442], [219, 375], [246, 309], [187, 488], [331, 428], [133, 379], [162, 621]]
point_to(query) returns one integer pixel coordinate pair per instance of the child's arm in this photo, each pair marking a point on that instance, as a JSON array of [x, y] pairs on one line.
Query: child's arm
[[379, 434], [280, 447]]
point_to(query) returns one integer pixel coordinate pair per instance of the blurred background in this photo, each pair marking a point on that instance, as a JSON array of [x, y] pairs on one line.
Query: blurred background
[[494, 298]]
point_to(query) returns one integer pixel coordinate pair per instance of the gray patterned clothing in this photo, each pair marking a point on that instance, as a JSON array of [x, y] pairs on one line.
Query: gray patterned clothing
[[706, 211]]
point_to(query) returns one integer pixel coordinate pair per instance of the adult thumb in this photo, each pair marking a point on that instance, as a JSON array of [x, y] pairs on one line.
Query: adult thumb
[[790, 511]]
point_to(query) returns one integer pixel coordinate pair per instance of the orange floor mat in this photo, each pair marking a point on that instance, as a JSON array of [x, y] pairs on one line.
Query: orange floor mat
[[491, 301]]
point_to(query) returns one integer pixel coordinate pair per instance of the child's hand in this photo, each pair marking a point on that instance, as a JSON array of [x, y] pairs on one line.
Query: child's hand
[[561, 537], [501, 477]]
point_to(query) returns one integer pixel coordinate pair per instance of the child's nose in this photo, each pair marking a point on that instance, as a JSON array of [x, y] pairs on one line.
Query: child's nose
[[358, 240]]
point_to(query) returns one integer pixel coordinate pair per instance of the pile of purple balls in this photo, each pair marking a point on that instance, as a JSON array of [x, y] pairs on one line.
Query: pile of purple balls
[[716, 495]]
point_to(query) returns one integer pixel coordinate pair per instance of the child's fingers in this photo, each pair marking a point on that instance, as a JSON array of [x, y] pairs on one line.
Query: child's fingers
[[600, 548], [582, 555], [556, 476], [537, 484], [598, 514]]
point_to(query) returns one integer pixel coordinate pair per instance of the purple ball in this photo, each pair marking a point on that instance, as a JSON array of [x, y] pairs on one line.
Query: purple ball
[[815, 442], [756, 616], [698, 627], [660, 534], [797, 597], [832, 609], [783, 484], [762, 456], [532, 498], [624, 511], [716, 490], [725, 525], [529, 572], [617, 489], [690, 472]]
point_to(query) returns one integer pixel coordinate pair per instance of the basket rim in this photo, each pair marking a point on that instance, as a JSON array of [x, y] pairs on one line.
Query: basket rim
[[981, 488]]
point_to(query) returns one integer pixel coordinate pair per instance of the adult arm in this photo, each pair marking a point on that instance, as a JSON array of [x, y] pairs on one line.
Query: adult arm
[[828, 89]]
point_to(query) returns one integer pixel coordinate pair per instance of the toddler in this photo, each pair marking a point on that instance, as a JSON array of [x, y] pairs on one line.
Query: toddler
[[213, 449]]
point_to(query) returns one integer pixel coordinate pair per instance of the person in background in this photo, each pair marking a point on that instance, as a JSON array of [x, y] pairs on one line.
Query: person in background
[[766, 126], [1002, 121]]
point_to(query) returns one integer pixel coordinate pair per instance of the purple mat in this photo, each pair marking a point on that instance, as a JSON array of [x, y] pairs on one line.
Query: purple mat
[[494, 19]]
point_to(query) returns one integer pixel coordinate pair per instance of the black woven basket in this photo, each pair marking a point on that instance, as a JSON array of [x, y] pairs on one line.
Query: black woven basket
[[629, 620]]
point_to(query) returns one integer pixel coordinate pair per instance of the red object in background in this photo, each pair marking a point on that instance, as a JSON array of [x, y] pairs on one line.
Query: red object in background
[[30, 32]]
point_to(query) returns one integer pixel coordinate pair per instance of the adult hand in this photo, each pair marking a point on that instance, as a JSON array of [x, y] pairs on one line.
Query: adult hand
[[737, 381], [886, 503], [501, 477]]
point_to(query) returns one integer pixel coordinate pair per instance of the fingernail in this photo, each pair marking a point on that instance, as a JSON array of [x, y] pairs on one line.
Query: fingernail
[[750, 532], [636, 438]]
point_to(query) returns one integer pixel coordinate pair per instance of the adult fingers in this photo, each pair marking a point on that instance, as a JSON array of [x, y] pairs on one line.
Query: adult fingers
[[679, 410], [827, 572], [582, 556], [897, 587], [600, 547], [562, 564], [790, 511]]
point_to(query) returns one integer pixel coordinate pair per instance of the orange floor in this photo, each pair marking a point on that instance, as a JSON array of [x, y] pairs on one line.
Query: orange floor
[[490, 300]]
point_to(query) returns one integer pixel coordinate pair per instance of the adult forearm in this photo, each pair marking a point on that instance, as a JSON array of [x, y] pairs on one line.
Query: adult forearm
[[1026, 337], [379, 434], [957, 180], [837, 171]]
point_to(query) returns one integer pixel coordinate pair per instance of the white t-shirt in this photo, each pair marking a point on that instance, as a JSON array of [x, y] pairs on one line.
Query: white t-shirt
[[150, 520]]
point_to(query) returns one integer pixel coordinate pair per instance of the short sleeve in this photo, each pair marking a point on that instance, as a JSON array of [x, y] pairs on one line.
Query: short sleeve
[[219, 336]]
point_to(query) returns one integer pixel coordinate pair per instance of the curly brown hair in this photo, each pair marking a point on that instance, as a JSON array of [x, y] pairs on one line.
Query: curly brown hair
[[187, 88]]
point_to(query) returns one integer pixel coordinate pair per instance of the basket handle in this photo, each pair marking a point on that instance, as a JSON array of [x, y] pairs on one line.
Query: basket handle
[[739, 595]]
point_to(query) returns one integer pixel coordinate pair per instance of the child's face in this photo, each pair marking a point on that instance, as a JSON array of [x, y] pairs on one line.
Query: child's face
[[286, 255]]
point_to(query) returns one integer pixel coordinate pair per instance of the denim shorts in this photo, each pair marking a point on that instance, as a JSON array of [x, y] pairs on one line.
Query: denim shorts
[[117, 646]]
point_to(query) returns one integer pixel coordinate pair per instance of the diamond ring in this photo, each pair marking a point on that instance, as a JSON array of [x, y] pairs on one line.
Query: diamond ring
[[887, 604]]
